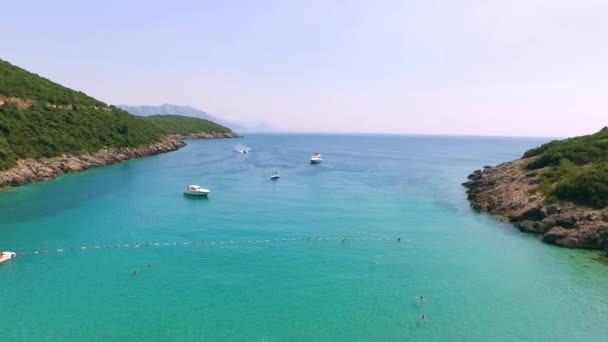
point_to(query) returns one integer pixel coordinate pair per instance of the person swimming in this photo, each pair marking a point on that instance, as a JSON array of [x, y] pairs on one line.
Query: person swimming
[[422, 317], [134, 272], [398, 239], [149, 265], [420, 299]]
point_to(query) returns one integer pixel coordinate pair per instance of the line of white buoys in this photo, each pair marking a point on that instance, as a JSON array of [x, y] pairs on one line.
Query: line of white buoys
[[195, 244]]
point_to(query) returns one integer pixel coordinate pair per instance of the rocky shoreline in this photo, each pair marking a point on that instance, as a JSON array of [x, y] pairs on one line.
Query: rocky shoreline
[[35, 170], [508, 190]]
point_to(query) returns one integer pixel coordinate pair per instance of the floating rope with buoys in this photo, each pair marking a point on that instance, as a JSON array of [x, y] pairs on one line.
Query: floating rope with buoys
[[201, 244]]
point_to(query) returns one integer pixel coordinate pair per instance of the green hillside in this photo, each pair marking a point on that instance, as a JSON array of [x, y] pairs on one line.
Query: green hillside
[[573, 169], [49, 120], [19, 83], [185, 125]]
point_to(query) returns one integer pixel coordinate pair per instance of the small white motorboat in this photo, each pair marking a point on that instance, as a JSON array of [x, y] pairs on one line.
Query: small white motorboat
[[316, 158], [5, 256], [275, 175], [195, 190]]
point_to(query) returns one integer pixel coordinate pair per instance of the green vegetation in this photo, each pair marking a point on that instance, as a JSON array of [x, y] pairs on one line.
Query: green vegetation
[[42, 131], [50, 120], [573, 169], [185, 125], [19, 83]]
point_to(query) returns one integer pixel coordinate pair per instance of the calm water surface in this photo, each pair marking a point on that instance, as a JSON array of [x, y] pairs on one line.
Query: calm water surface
[[482, 279]]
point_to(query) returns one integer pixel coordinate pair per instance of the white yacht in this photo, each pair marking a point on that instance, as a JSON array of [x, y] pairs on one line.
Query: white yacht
[[196, 190], [275, 175], [4, 256], [316, 158]]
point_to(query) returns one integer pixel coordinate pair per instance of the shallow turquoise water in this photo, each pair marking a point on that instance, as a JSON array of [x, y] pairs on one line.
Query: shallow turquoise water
[[482, 279]]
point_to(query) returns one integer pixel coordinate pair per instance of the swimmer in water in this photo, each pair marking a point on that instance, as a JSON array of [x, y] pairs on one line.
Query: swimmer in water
[[134, 272], [422, 317], [420, 299], [399, 240], [149, 265]]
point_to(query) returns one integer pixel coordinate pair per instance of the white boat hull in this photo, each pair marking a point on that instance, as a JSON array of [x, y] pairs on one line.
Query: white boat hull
[[196, 193], [316, 161], [7, 256]]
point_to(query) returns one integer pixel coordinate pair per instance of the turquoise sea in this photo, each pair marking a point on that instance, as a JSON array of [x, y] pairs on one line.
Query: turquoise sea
[[296, 280]]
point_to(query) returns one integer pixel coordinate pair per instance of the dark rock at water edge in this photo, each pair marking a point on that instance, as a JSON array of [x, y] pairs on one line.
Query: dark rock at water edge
[[34, 170], [509, 192]]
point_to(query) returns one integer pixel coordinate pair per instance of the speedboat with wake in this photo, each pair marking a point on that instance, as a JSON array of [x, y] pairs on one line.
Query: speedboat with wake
[[316, 158], [275, 175], [195, 190], [241, 149]]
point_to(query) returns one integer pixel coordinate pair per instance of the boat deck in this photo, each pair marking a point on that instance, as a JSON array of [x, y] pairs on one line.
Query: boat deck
[[6, 256]]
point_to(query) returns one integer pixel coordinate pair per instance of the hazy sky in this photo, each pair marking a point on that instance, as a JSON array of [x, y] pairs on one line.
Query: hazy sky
[[510, 67]]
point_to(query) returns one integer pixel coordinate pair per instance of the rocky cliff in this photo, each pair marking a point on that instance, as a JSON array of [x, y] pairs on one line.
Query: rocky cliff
[[34, 170], [508, 191]]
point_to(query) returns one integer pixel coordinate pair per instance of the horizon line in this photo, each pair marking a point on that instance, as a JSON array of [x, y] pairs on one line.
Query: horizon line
[[403, 134]]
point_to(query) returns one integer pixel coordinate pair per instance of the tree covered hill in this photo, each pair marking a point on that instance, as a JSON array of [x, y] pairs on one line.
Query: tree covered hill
[[40, 118], [573, 169], [19, 83], [185, 125]]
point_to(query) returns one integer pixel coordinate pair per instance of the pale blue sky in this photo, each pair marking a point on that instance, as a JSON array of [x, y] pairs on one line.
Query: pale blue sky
[[517, 67]]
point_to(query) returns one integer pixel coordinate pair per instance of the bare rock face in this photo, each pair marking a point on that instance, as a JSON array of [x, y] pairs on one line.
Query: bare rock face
[[531, 212], [555, 234], [508, 190], [31, 170]]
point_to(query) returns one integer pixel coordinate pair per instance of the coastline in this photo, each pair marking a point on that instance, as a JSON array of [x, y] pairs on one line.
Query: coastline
[[509, 191], [36, 170]]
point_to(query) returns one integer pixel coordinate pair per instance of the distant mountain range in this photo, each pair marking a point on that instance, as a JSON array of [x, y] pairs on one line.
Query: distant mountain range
[[197, 113]]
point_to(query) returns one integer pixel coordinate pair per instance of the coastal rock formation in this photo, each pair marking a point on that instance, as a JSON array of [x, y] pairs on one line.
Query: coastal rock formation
[[508, 191], [34, 170]]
